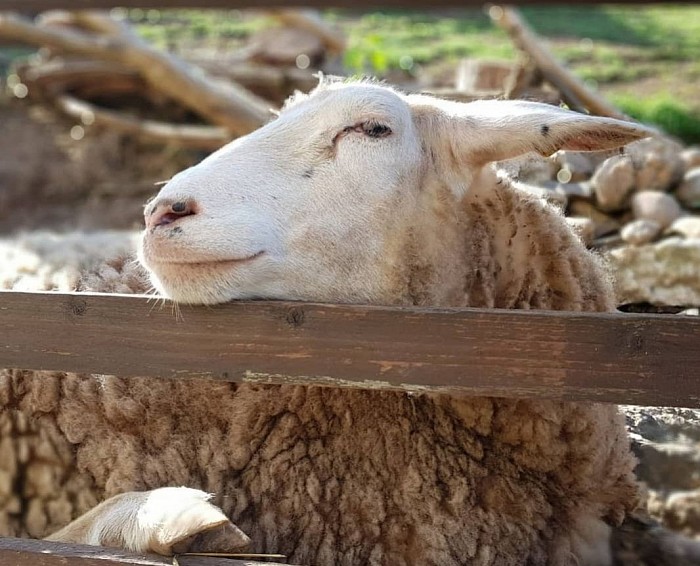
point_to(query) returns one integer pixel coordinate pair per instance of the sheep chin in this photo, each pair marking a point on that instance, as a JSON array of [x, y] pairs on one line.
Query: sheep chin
[[205, 283]]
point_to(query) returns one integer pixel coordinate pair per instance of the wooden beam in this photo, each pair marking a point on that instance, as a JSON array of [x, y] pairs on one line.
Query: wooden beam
[[40, 5], [224, 104], [617, 358], [27, 552]]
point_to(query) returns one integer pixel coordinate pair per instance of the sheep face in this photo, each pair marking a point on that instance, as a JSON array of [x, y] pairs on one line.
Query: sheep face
[[319, 203], [303, 205]]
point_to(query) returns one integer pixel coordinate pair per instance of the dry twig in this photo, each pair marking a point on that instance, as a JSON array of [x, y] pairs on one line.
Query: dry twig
[[196, 137], [576, 94]]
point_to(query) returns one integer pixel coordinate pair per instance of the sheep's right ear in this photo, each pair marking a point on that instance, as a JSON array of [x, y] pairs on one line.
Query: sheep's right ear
[[463, 137]]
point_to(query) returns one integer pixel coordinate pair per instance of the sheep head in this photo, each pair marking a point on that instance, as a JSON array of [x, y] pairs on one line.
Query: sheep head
[[317, 204]]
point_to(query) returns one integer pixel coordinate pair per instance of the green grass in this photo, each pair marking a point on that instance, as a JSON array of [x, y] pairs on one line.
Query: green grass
[[645, 58], [180, 29], [675, 117], [380, 41]]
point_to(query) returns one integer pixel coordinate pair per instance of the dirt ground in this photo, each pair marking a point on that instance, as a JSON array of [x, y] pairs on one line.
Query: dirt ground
[[50, 181]]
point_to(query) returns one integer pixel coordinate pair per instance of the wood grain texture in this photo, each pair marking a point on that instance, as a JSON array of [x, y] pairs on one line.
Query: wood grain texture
[[39, 5], [26, 552], [618, 358]]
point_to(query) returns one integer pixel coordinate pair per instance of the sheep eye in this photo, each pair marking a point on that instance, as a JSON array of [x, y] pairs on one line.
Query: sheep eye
[[376, 130]]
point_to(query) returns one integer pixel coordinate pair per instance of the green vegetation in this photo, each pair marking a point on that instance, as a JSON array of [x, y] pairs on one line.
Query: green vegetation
[[178, 29], [645, 58], [674, 117], [379, 41]]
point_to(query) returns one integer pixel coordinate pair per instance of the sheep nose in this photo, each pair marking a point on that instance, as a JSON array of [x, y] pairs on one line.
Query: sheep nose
[[164, 212]]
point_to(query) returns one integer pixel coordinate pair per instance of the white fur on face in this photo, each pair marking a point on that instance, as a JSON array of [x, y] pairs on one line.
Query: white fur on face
[[310, 197], [311, 206]]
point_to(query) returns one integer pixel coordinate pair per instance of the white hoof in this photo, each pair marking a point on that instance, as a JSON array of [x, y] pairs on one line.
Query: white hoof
[[166, 521]]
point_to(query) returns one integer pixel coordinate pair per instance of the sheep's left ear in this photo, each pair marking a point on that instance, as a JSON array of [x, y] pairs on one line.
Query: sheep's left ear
[[470, 135]]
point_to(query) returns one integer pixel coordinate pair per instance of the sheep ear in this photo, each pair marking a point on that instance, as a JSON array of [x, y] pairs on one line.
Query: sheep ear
[[473, 134]]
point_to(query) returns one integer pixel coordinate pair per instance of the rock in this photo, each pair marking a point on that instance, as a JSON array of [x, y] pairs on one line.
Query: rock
[[680, 511], [653, 205], [668, 465], [688, 226], [608, 242], [640, 232], [612, 183], [666, 441], [625, 217], [604, 224], [691, 157], [657, 163], [689, 190], [583, 227], [576, 166], [665, 273]]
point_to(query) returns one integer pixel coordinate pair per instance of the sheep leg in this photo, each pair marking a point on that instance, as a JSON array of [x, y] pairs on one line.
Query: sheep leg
[[169, 520]]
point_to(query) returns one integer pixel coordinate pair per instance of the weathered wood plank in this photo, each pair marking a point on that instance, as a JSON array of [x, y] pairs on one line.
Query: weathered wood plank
[[620, 358], [39, 5], [26, 552]]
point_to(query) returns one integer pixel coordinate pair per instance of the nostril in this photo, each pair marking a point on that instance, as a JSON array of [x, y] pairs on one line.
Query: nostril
[[167, 213], [168, 218]]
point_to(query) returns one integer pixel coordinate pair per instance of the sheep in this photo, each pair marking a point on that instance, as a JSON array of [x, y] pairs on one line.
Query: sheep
[[356, 193]]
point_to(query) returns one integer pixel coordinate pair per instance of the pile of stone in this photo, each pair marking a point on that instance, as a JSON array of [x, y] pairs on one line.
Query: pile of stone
[[667, 443], [641, 208]]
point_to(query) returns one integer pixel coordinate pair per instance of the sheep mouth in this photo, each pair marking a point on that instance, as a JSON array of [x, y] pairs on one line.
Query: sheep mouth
[[210, 262]]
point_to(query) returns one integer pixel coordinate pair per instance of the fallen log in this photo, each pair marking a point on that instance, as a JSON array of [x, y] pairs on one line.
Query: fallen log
[[189, 136], [56, 76], [224, 104], [269, 81]]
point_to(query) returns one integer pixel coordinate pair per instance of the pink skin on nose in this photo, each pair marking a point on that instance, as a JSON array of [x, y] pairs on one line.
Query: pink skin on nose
[[163, 213]]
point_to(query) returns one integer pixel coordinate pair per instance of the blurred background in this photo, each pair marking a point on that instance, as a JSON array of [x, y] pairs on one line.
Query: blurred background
[[96, 109], [85, 127]]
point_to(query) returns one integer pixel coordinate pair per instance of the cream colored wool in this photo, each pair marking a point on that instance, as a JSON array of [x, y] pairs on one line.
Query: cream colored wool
[[334, 476], [303, 471]]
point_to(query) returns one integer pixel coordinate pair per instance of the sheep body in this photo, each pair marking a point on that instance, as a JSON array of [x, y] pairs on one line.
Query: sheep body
[[302, 471], [331, 476]]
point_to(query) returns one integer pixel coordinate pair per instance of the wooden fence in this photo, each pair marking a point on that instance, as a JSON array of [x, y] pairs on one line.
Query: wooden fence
[[616, 358]]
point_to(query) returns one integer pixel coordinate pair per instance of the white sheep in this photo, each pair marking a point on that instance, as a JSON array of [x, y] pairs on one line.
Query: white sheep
[[354, 194]]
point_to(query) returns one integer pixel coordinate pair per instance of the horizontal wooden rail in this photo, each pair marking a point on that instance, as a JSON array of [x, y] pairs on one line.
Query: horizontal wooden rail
[[38, 5], [619, 358], [26, 552]]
